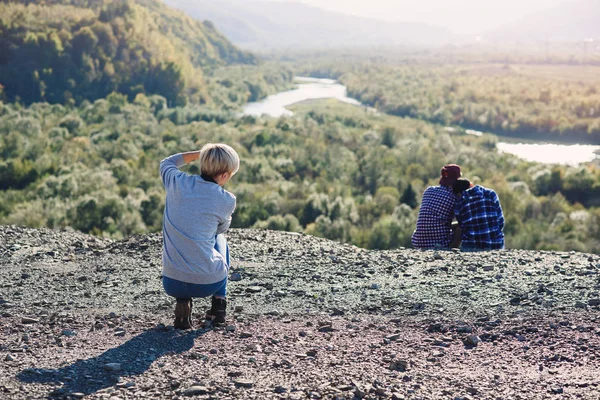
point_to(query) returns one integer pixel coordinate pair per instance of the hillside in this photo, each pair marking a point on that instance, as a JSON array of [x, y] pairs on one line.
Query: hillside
[[307, 318], [572, 21], [262, 25], [67, 51]]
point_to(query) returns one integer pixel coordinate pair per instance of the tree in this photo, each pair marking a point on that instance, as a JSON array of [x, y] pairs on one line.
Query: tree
[[409, 196]]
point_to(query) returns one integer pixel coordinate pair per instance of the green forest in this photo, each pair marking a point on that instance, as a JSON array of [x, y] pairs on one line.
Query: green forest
[[68, 51], [94, 93], [551, 102], [332, 170]]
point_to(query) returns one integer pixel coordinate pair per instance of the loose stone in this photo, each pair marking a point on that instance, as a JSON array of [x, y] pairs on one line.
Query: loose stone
[[112, 367], [195, 391], [472, 340], [243, 383]]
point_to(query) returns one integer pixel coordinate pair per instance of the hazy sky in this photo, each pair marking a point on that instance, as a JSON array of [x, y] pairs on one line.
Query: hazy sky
[[462, 16]]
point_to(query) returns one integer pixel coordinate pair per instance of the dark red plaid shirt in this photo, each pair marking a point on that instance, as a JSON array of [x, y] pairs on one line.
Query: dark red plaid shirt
[[435, 218]]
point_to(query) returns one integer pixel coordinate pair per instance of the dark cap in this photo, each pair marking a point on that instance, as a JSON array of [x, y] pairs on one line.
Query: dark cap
[[450, 173], [461, 185]]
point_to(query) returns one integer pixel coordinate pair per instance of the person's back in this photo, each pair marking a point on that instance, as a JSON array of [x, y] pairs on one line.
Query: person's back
[[435, 218], [434, 223], [481, 219], [196, 210]]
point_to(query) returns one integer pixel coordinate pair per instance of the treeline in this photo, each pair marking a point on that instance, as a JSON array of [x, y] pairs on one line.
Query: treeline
[[68, 51], [331, 170], [549, 53], [550, 102]]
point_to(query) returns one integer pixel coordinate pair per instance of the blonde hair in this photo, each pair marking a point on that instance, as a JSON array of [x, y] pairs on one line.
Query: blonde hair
[[218, 158]]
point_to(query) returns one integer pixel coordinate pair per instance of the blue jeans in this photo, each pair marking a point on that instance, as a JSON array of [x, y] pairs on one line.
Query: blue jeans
[[184, 290]]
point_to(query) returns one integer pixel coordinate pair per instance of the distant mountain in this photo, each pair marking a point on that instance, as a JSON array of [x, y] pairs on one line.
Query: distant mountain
[[67, 51], [260, 25], [572, 21]]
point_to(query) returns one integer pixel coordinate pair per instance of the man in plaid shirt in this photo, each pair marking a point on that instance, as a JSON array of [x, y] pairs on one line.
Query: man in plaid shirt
[[479, 215], [434, 223]]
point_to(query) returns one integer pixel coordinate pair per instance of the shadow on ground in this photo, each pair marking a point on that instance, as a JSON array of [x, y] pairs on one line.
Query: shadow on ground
[[133, 357]]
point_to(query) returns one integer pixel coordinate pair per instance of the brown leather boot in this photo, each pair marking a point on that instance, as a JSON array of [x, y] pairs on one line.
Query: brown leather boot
[[183, 314], [217, 312]]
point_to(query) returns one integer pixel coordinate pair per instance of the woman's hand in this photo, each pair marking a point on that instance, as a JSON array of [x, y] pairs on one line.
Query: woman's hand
[[191, 156]]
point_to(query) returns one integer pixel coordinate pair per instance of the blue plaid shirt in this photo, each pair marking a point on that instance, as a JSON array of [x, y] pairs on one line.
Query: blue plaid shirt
[[480, 217]]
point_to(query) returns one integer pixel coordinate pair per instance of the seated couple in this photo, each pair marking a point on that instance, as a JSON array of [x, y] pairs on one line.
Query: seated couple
[[477, 210]]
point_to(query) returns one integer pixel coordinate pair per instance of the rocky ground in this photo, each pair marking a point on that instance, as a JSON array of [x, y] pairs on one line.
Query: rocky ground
[[85, 317]]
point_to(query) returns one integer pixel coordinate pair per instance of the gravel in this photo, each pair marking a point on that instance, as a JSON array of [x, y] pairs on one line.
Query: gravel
[[86, 317]]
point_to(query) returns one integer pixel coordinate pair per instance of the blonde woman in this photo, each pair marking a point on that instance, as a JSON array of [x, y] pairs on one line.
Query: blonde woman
[[197, 212]]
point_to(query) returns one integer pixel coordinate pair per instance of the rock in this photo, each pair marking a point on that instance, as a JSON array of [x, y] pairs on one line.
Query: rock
[[472, 340], [557, 390], [243, 383], [337, 311], [112, 367], [254, 289], [68, 333], [437, 256], [230, 328], [238, 308], [195, 391], [360, 393], [280, 389], [488, 267], [473, 391], [9, 358], [580, 304], [29, 320], [120, 332], [464, 329], [326, 328], [235, 277], [515, 301], [399, 365], [594, 302], [374, 286], [436, 327]]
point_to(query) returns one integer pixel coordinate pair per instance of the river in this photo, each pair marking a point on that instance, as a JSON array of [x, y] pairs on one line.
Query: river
[[313, 88]]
